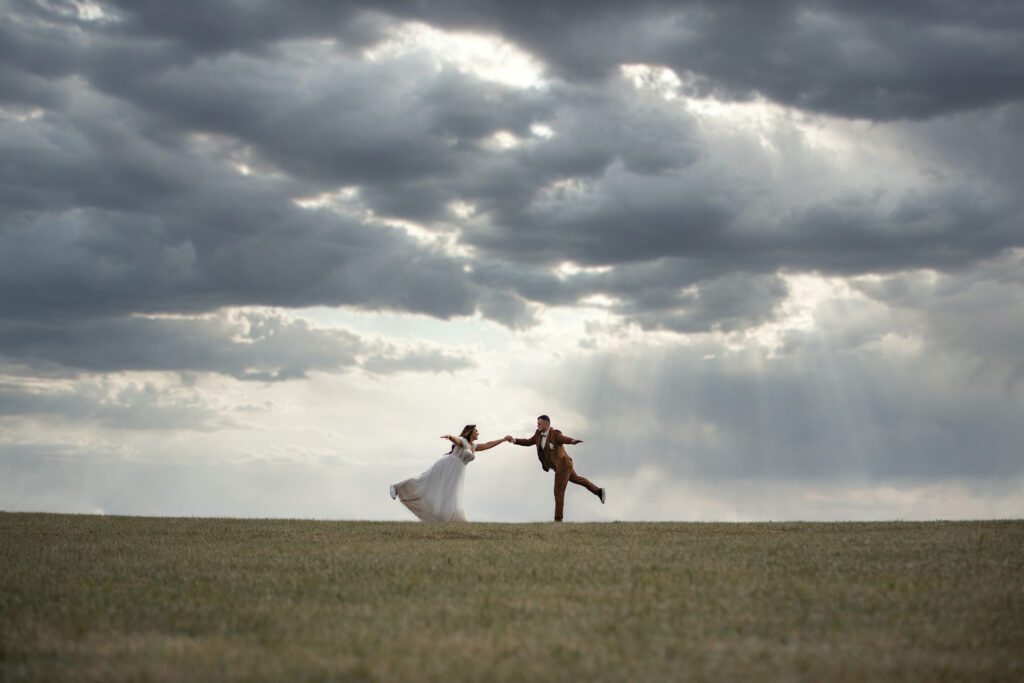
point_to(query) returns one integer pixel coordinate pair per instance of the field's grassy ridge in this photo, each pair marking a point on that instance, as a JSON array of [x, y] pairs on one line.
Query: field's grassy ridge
[[128, 598]]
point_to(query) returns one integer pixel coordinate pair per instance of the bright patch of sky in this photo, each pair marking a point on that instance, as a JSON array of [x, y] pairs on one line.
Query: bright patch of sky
[[484, 56]]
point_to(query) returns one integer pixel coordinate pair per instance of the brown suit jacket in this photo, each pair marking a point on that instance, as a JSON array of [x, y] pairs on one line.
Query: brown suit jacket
[[554, 449]]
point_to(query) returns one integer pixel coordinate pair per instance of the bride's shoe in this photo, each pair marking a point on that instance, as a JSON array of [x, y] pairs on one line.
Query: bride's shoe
[[394, 493]]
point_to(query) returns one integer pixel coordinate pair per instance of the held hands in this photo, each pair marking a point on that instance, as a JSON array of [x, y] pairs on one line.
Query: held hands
[[510, 439]]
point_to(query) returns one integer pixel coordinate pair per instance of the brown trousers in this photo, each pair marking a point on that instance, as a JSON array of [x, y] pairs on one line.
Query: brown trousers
[[564, 473]]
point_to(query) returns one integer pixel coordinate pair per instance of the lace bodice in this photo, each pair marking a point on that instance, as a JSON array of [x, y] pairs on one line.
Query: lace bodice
[[465, 451]]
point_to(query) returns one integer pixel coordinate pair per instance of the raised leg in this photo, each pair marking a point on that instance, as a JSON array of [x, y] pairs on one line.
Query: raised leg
[[583, 481]]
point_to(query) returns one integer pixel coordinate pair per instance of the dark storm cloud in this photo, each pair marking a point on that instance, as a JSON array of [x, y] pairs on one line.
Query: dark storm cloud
[[876, 60], [110, 206], [100, 219], [727, 304], [612, 214], [941, 230], [95, 262], [122, 136]]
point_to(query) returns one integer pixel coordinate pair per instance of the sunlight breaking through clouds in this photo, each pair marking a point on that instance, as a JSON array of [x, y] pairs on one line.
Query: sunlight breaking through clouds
[[344, 200], [823, 133], [797, 313], [502, 140], [659, 79], [487, 57]]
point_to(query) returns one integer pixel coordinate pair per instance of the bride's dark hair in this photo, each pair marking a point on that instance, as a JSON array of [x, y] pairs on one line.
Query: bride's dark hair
[[466, 432]]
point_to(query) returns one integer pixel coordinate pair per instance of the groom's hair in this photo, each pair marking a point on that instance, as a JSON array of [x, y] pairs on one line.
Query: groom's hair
[[545, 418]]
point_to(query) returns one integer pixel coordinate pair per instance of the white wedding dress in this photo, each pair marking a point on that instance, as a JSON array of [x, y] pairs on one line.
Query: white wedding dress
[[436, 495]]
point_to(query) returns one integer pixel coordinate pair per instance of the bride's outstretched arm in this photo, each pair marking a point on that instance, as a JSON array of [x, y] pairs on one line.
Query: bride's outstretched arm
[[489, 444], [453, 439]]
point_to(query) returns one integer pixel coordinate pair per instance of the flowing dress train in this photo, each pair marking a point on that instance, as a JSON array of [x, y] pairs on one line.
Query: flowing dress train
[[436, 495]]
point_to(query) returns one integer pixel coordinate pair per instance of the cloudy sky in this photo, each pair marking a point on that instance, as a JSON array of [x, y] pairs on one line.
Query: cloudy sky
[[765, 258]]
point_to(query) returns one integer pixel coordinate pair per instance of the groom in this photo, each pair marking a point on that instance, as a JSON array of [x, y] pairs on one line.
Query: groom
[[551, 453]]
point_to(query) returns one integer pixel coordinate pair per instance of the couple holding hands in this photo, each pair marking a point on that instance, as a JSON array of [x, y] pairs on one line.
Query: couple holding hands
[[436, 495]]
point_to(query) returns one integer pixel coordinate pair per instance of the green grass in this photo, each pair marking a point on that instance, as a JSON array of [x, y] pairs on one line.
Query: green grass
[[130, 598]]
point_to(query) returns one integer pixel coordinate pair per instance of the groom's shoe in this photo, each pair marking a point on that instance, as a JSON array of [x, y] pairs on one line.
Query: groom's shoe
[[600, 494]]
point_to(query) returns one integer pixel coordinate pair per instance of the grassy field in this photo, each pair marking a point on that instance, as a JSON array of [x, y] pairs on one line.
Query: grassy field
[[130, 598]]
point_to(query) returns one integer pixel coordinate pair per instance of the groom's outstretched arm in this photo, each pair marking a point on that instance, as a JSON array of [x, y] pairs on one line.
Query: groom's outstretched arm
[[525, 442], [561, 438]]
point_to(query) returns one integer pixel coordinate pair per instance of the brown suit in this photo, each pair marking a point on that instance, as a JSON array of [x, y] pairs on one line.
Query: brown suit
[[554, 457]]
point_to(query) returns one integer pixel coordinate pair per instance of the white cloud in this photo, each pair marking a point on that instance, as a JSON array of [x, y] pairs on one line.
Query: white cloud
[[487, 57]]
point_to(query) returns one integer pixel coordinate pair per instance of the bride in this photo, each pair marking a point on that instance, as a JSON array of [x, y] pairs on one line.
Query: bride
[[436, 495]]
